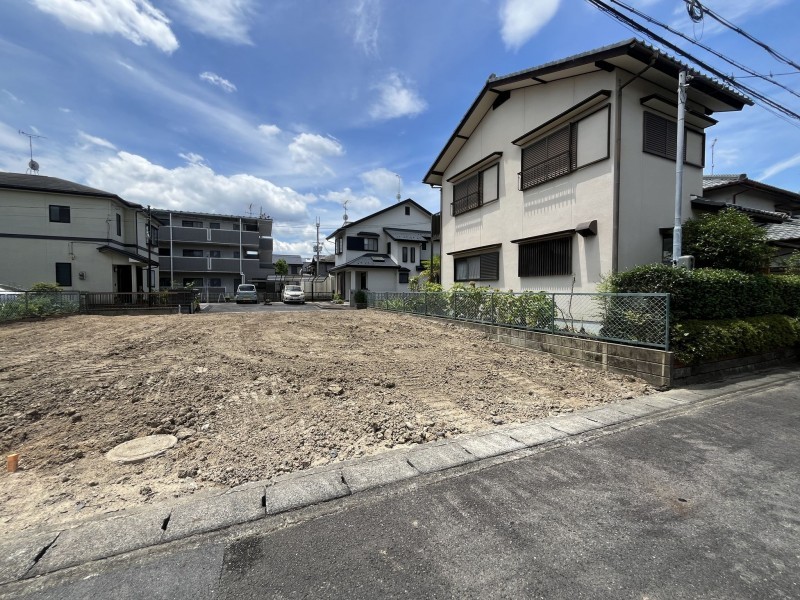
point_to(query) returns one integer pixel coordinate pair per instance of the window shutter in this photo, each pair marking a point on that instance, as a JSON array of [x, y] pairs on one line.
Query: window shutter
[[490, 265], [660, 136]]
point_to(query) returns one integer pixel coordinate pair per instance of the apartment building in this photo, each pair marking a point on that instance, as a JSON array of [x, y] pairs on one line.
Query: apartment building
[[212, 252]]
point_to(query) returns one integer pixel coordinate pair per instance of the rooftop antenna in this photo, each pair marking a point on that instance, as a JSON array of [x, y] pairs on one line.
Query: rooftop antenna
[[399, 186], [344, 205], [250, 210], [714, 143], [33, 166]]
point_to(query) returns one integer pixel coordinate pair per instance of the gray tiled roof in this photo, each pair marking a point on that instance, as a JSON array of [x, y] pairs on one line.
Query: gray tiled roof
[[712, 181], [407, 235], [788, 230], [756, 212], [291, 259], [43, 183], [369, 260]]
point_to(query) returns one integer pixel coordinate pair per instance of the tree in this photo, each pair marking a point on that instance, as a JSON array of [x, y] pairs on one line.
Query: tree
[[727, 240], [432, 269], [281, 268]]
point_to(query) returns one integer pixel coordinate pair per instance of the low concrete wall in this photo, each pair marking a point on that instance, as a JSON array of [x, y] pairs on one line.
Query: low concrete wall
[[654, 366], [734, 366]]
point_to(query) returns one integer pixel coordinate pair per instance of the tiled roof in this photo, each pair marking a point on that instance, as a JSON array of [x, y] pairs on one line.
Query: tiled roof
[[291, 259], [712, 181], [780, 232], [369, 260], [407, 235], [43, 183], [756, 212]]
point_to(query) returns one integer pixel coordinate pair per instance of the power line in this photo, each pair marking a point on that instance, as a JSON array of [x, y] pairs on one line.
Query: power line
[[766, 103], [704, 10], [719, 55]]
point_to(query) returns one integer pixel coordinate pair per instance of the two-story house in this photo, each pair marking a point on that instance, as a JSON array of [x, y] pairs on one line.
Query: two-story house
[[382, 251], [565, 172], [212, 252], [84, 239]]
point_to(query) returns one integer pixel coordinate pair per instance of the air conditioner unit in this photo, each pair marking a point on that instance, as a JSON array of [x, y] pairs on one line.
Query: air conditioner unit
[[81, 274], [686, 262]]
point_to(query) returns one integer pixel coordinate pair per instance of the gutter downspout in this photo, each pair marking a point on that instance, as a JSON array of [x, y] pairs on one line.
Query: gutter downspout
[[618, 160]]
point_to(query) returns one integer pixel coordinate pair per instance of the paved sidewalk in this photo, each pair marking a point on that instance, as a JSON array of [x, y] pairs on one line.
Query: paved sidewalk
[[46, 552]]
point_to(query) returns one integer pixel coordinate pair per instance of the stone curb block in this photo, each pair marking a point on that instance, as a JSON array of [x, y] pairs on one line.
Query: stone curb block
[[607, 416], [304, 491], [19, 554], [535, 435], [439, 458], [662, 402], [373, 473], [215, 513], [573, 424], [637, 408], [101, 539], [492, 444]]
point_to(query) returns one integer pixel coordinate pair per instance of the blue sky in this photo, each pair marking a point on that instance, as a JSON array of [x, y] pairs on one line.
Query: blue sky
[[295, 106]]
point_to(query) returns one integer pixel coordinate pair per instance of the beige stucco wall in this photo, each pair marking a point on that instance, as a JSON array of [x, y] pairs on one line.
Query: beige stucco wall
[[28, 260], [557, 205], [749, 198]]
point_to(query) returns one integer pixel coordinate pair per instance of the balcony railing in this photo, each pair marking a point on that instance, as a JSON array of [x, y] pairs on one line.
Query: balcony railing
[[226, 237], [185, 264]]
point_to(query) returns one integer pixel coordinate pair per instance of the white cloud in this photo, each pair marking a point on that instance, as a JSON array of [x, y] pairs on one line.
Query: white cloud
[[382, 181], [367, 15], [308, 150], [520, 20], [269, 130], [357, 205], [303, 248], [13, 97], [196, 187], [64, 110], [773, 170], [218, 81], [135, 20], [226, 20], [192, 158], [95, 141], [396, 98]]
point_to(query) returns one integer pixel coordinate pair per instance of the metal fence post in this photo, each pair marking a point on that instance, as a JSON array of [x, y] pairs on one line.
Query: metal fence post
[[553, 314], [491, 307], [666, 326]]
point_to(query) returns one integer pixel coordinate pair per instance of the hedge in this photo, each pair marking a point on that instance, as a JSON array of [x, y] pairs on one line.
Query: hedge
[[709, 294], [695, 341]]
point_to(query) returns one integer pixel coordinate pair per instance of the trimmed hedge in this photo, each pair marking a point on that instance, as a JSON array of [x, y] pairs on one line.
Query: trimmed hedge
[[709, 294], [695, 342]]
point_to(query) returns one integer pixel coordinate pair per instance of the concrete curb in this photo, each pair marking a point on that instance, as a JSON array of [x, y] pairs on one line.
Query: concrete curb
[[30, 554]]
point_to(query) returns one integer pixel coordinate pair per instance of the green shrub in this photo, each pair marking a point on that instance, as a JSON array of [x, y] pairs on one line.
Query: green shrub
[[727, 240], [695, 341]]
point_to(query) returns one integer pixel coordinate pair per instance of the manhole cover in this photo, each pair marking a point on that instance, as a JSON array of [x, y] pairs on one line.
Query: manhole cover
[[141, 448]]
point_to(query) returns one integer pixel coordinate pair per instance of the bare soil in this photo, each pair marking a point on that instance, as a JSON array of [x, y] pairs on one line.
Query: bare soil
[[250, 396]]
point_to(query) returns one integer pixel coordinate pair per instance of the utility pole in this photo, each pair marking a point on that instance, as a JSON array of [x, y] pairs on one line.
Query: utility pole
[[677, 232], [317, 247], [149, 248]]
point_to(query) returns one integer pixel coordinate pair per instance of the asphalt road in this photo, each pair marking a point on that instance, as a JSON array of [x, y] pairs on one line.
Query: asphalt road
[[702, 503]]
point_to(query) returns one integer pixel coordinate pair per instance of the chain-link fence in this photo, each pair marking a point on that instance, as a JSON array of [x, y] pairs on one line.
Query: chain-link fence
[[641, 319], [23, 305]]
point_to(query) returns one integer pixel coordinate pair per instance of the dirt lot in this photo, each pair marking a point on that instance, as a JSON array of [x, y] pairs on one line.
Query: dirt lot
[[249, 396]]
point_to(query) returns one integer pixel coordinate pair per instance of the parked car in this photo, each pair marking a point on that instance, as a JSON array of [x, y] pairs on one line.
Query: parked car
[[293, 293], [10, 294], [246, 292]]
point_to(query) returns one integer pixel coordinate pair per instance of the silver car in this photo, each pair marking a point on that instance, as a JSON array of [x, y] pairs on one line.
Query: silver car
[[246, 292], [293, 293]]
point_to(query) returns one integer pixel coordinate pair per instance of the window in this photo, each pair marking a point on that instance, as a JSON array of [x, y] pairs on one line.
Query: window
[[59, 214], [661, 139], [193, 253], [408, 210], [388, 247], [119, 224], [476, 190], [250, 227], [424, 245], [666, 247], [213, 226], [215, 253], [64, 274], [191, 223], [338, 245], [163, 252], [152, 234], [251, 253], [546, 257], [358, 242], [405, 253], [215, 282], [164, 282], [413, 254], [403, 277], [236, 227], [236, 254], [576, 145], [479, 267]]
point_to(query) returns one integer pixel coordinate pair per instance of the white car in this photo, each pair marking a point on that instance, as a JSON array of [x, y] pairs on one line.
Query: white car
[[293, 293]]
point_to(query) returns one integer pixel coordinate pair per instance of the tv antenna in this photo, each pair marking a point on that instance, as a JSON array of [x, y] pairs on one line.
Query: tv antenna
[[33, 166], [714, 143], [399, 186], [344, 206]]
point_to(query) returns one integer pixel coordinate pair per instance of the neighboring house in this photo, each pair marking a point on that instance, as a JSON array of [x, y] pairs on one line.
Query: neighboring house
[[382, 251], [293, 261], [57, 231], [773, 208], [213, 252], [565, 172], [326, 263]]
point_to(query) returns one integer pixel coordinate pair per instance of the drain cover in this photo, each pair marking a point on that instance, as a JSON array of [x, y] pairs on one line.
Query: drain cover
[[141, 448]]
